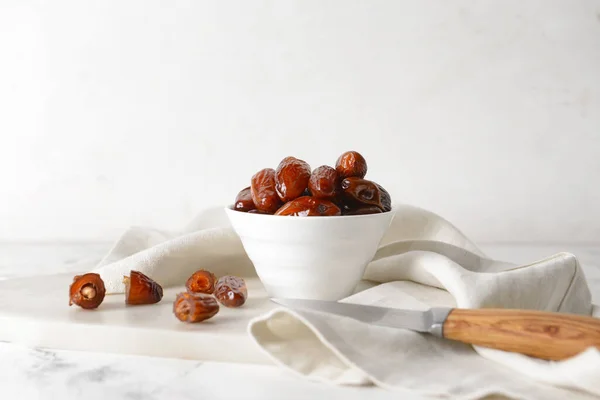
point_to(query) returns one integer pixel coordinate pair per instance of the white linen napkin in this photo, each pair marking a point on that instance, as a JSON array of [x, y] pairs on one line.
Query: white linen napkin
[[423, 261]]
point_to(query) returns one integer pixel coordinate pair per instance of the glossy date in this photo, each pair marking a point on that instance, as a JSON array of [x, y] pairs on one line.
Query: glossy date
[[264, 193], [231, 291], [243, 201], [193, 308], [351, 163], [360, 192], [308, 206], [291, 178], [324, 182]]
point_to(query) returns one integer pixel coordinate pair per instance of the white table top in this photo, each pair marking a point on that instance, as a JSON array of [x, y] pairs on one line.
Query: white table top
[[42, 373]]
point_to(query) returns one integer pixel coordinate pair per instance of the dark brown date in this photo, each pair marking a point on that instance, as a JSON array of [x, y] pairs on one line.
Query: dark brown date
[[291, 178], [308, 206], [324, 182], [386, 199], [141, 289], [231, 291], [195, 307], [243, 201], [255, 211], [201, 281], [362, 192], [351, 163], [87, 291], [264, 194], [362, 210]]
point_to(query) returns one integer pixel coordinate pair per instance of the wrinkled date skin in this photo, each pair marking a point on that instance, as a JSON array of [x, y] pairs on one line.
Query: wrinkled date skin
[[243, 201], [291, 178], [293, 190], [87, 291], [264, 194], [324, 182], [141, 289], [192, 308], [386, 199], [201, 281], [308, 206], [362, 210], [231, 291], [351, 164], [360, 192]]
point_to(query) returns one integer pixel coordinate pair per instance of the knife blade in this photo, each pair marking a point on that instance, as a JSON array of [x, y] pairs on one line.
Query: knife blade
[[421, 321], [540, 334]]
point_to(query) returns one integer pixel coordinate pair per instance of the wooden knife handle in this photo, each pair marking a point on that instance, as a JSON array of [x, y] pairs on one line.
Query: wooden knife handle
[[545, 335]]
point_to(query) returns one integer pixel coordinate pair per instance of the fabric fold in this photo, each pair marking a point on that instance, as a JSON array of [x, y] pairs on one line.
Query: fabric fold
[[423, 261]]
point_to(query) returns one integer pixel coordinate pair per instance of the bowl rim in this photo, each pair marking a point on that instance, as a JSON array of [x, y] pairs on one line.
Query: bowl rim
[[230, 208]]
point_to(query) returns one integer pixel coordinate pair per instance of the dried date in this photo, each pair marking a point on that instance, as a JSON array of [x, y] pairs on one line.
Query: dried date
[[190, 307], [231, 291], [140, 289], [324, 182], [243, 201], [87, 291], [255, 211], [386, 199], [351, 164], [291, 178], [362, 210], [308, 206], [362, 192], [201, 281], [264, 193]]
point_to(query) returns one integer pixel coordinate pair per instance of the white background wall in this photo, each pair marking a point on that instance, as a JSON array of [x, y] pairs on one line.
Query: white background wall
[[115, 113]]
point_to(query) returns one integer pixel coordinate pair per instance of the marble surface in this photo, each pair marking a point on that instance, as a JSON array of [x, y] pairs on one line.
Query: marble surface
[[46, 373]]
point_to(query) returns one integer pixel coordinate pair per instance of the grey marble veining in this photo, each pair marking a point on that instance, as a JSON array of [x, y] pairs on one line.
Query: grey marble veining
[[57, 374], [45, 374]]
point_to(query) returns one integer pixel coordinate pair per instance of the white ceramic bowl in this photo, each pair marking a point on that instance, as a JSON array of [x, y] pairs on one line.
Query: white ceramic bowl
[[320, 258]]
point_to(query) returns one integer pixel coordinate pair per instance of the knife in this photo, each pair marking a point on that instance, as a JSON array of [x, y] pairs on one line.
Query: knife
[[540, 334]]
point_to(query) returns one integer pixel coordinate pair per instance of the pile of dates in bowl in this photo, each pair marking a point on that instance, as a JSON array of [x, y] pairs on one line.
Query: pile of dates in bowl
[[293, 190]]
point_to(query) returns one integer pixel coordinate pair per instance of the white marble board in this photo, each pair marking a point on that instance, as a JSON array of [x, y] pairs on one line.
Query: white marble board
[[34, 311]]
